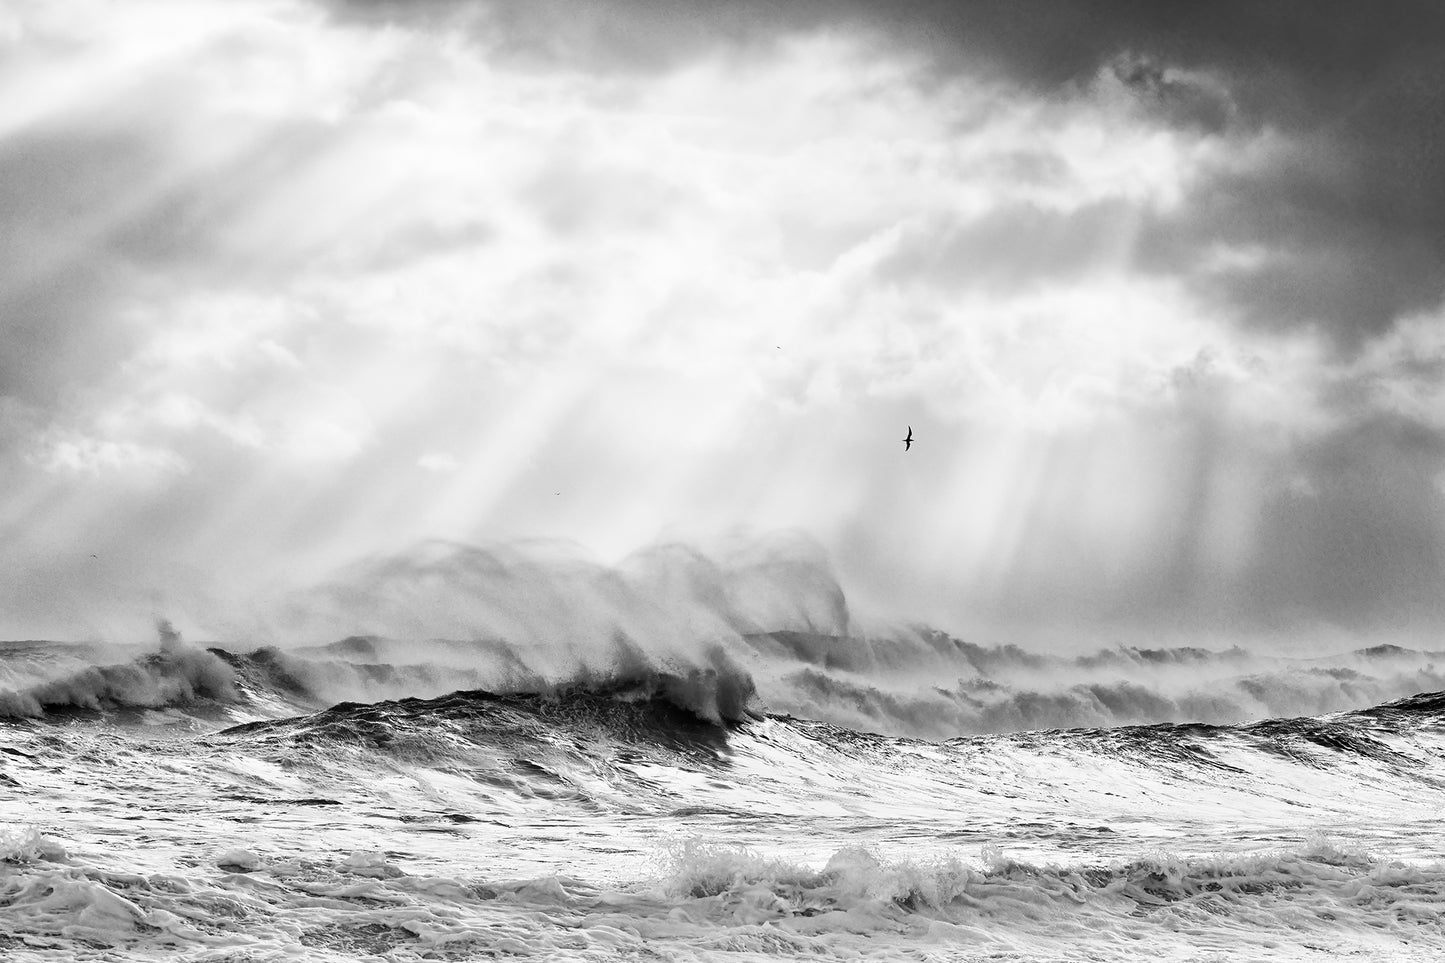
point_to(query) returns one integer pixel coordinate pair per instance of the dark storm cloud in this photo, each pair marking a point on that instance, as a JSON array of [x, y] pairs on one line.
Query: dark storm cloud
[[1183, 102], [1348, 212], [1343, 238]]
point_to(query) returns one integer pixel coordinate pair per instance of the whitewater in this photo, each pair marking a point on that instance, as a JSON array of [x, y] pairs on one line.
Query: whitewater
[[374, 799]]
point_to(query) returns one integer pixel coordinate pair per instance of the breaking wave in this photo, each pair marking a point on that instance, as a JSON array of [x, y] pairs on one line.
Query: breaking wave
[[762, 627], [728, 901], [950, 688], [192, 678], [1318, 888]]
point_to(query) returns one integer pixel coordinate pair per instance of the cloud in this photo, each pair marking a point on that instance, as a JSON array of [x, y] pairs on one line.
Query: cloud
[[93, 456], [1011, 247], [438, 461], [1152, 306], [1335, 114], [1182, 98], [1330, 117]]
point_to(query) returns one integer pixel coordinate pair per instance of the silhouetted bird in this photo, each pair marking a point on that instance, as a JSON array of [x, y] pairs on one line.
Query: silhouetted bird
[[908, 442]]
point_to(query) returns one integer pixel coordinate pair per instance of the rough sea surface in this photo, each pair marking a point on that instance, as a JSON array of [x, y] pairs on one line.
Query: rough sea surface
[[373, 800]]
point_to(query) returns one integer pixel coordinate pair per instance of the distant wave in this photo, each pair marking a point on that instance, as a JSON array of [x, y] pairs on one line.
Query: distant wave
[[925, 683]]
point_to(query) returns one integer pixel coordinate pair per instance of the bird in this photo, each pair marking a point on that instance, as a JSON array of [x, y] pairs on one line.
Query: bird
[[908, 442]]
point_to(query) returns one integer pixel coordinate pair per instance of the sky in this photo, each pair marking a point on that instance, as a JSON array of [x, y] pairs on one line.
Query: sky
[[287, 285]]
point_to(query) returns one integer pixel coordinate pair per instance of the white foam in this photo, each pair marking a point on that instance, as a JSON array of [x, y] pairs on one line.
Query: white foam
[[798, 840]]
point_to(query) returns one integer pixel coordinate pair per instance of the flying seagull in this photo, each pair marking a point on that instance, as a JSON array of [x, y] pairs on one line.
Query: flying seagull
[[908, 442]]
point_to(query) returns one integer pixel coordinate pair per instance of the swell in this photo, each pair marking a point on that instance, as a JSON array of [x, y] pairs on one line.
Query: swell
[[1318, 742], [552, 732], [574, 731]]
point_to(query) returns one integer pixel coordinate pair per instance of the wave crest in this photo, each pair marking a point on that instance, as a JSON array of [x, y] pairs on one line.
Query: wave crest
[[176, 676]]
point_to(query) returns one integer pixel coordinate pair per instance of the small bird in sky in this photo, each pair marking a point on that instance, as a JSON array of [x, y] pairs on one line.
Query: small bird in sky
[[908, 442]]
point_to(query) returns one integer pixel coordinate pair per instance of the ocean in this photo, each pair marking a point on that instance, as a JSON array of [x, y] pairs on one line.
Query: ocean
[[785, 795]]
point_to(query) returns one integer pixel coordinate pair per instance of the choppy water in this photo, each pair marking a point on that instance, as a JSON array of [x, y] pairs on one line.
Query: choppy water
[[193, 804]]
